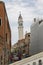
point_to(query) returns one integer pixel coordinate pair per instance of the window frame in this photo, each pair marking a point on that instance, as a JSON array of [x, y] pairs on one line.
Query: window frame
[[1, 21]]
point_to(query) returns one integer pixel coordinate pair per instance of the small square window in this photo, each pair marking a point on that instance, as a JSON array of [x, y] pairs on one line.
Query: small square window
[[0, 21]]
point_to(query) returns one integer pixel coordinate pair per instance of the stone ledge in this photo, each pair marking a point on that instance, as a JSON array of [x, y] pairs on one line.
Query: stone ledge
[[29, 59]]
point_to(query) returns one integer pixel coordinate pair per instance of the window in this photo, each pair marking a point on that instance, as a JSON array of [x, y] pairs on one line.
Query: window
[[6, 37], [28, 35], [0, 21], [40, 62], [21, 24], [34, 63]]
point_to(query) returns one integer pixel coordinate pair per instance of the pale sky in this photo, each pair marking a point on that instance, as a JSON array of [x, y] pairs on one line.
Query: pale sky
[[29, 9]]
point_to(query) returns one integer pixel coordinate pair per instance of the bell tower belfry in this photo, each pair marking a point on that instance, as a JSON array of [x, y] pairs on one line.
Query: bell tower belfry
[[20, 27]]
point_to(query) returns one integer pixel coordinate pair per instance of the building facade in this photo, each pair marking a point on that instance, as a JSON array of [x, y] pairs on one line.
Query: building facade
[[20, 27], [23, 45], [27, 42], [5, 36], [36, 41], [14, 48]]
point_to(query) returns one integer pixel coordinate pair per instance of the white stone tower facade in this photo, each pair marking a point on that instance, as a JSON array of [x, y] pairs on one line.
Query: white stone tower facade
[[20, 27]]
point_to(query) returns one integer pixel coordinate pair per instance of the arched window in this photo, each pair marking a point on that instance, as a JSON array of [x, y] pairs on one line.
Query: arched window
[[40, 62], [34, 63]]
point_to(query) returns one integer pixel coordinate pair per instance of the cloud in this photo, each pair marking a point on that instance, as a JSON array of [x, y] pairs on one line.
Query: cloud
[[39, 7]]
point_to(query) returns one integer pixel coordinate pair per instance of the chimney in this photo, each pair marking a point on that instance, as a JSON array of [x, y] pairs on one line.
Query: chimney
[[34, 19]]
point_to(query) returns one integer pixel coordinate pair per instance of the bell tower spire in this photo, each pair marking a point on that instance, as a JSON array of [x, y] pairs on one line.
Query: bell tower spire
[[20, 26]]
